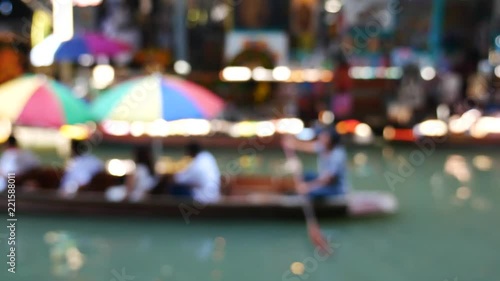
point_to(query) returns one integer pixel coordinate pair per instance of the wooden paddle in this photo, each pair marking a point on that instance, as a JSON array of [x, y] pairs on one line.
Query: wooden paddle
[[313, 228]]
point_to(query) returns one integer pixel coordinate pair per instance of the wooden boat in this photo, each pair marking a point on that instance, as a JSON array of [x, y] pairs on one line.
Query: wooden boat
[[244, 197]]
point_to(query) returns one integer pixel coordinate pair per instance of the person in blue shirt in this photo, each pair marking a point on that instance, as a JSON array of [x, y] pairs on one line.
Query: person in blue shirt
[[331, 178]]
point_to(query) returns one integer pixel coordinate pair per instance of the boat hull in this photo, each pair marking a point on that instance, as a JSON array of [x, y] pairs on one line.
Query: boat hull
[[249, 206]]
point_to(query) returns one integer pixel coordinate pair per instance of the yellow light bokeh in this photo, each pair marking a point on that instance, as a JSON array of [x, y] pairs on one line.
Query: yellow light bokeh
[[74, 132], [40, 27], [5, 130], [389, 133], [483, 162], [297, 268], [341, 128]]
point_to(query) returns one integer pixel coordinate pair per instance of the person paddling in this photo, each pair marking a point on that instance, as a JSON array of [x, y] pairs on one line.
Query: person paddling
[[331, 179]]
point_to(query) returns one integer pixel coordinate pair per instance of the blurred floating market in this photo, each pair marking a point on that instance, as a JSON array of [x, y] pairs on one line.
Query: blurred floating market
[[354, 61], [191, 139]]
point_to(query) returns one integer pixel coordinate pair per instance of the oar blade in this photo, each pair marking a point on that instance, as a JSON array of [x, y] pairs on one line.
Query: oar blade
[[319, 240]]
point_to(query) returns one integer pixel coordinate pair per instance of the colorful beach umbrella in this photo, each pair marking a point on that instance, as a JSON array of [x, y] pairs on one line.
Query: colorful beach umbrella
[[94, 44], [154, 97], [35, 100]]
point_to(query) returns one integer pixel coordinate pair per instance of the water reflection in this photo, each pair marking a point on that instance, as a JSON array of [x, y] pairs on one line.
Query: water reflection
[[461, 211], [144, 245], [216, 275], [219, 249], [360, 159], [167, 271], [481, 204], [218, 256], [204, 250], [362, 168], [220, 242], [66, 258], [482, 162], [456, 166], [297, 268], [388, 152], [437, 185], [74, 258], [463, 193]]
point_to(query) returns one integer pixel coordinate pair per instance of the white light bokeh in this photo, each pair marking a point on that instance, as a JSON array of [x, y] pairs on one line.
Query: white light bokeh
[[290, 126], [265, 129], [428, 73], [119, 168], [220, 12], [282, 73], [497, 71], [103, 75], [333, 6], [262, 74], [116, 128], [236, 73], [311, 75], [43, 53], [182, 67], [326, 117], [363, 130], [431, 128], [137, 129]]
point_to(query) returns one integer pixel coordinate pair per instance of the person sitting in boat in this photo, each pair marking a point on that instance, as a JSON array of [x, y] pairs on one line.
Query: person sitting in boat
[[144, 178], [15, 160], [331, 179], [201, 178], [80, 169]]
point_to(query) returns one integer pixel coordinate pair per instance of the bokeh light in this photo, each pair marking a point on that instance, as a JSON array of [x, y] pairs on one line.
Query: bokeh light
[[428, 73], [103, 75], [182, 67], [297, 268], [483, 162], [281, 73], [463, 193]]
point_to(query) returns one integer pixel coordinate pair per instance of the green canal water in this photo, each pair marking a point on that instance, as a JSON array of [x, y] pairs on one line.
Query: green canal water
[[447, 228]]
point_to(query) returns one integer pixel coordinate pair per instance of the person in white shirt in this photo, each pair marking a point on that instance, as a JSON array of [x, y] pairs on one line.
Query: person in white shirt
[[16, 161], [144, 178], [80, 169], [201, 179]]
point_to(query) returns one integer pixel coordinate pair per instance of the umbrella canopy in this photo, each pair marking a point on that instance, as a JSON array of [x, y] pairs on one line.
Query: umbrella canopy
[[156, 97], [34, 100], [92, 44]]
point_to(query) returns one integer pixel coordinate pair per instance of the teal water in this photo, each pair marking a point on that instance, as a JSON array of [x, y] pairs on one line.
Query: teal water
[[447, 229]]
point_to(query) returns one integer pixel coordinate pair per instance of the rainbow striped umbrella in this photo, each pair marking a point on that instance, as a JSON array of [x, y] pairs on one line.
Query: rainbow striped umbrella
[[154, 97], [35, 100]]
